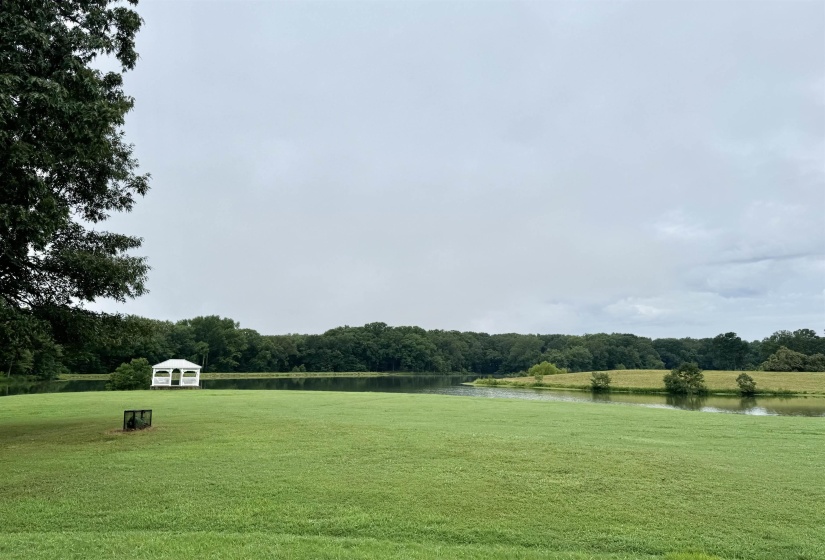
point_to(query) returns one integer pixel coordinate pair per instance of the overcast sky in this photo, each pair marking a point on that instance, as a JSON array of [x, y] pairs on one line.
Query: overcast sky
[[556, 167]]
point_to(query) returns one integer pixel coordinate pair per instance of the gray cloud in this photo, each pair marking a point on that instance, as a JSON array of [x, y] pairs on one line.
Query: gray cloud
[[501, 166]]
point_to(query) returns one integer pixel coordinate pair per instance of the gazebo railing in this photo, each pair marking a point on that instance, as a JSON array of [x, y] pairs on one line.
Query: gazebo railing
[[189, 379], [161, 379]]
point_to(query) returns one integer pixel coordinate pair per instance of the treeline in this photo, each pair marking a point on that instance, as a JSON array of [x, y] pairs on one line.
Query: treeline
[[219, 344]]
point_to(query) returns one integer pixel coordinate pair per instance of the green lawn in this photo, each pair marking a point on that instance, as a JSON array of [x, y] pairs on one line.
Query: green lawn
[[291, 474], [811, 383]]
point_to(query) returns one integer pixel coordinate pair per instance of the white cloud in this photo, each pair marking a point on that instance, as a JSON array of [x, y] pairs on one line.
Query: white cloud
[[677, 225]]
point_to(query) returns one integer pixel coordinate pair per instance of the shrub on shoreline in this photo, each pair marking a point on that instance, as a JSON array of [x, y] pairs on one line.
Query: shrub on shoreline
[[747, 386], [600, 381], [687, 379], [538, 371]]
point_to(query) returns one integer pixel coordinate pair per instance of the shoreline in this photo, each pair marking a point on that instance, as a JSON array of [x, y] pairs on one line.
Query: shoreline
[[645, 390], [251, 375]]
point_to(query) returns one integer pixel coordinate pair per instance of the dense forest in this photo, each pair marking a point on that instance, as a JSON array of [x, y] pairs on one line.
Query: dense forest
[[220, 345]]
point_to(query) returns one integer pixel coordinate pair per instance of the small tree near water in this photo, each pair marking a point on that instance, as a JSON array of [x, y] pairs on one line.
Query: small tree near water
[[747, 386], [600, 381], [127, 377], [687, 379], [545, 368]]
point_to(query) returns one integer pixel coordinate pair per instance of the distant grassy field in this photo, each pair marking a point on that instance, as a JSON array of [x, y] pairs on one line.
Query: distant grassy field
[[293, 474], [720, 381]]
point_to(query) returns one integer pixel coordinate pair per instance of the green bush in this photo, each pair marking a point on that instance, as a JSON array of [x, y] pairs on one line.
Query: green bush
[[687, 379], [747, 386], [785, 359], [487, 381], [545, 368], [815, 362], [600, 381], [127, 377]]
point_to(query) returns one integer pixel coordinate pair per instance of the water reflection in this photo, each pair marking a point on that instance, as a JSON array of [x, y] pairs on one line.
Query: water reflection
[[390, 384], [686, 402], [31, 387], [756, 406]]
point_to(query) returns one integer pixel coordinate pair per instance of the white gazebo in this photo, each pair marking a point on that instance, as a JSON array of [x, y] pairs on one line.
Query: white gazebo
[[190, 374]]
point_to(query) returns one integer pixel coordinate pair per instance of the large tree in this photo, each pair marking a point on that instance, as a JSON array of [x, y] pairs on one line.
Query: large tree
[[729, 351], [64, 164]]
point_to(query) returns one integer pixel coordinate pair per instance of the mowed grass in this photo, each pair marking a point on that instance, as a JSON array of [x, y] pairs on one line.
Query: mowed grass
[[722, 381], [291, 474]]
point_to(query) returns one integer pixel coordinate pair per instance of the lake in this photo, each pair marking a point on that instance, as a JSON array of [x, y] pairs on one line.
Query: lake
[[453, 385]]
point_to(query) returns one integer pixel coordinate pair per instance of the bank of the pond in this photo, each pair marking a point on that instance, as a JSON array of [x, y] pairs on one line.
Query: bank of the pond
[[650, 381], [259, 375], [314, 382], [374, 475]]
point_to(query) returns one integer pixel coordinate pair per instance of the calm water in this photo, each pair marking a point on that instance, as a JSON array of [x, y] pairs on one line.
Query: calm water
[[761, 406], [452, 385]]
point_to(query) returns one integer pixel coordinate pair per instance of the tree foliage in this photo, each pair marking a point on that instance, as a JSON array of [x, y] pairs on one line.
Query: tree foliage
[[64, 166], [728, 351], [804, 341], [686, 379], [600, 381], [544, 368], [137, 374], [785, 359], [747, 386], [220, 344]]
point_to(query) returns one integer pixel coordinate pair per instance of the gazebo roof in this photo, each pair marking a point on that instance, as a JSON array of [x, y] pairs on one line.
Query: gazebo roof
[[176, 364]]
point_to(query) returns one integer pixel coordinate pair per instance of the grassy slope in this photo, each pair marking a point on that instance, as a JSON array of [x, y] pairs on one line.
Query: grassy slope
[[240, 474], [798, 382]]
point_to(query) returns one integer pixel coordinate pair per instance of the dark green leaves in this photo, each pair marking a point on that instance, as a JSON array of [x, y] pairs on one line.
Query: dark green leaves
[[687, 379], [63, 159]]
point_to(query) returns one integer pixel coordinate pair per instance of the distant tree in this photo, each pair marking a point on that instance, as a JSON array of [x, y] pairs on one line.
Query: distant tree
[[600, 381], [815, 363], [674, 351], [687, 379], [524, 350], [555, 356], [785, 359], [808, 342], [752, 357], [804, 341], [453, 349], [578, 358], [219, 342], [610, 350], [747, 386], [729, 351], [137, 374]]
